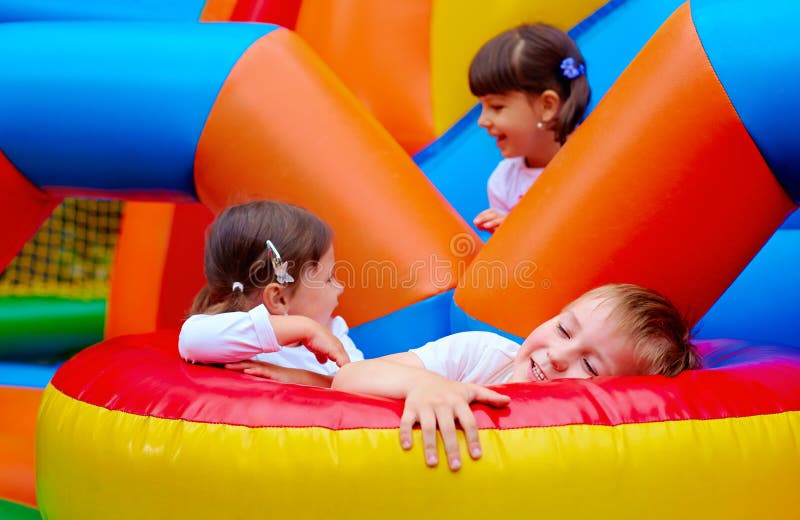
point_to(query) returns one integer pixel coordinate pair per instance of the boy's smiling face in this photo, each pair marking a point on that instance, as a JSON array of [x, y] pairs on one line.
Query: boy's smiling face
[[581, 342]]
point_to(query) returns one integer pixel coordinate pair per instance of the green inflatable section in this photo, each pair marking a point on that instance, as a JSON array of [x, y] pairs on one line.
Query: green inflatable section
[[14, 511], [36, 328]]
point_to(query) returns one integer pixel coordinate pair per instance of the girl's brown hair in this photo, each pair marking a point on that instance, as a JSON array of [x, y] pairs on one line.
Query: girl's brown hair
[[236, 251], [528, 58], [661, 335]]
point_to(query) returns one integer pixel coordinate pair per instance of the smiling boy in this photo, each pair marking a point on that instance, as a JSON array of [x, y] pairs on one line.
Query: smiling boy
[[613, 330]]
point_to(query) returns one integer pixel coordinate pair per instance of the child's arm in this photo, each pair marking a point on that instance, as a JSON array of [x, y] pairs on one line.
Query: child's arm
[[283, 374], [430, 399], [232, 337]]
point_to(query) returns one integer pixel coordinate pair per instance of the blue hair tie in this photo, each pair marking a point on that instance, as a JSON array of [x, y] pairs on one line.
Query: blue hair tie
[[570, 70]]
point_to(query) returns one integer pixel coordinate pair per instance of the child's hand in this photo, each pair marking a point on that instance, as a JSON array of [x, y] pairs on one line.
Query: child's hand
[[325, 345], [437, 400], [489, 219], [290, 331], [281, 374]]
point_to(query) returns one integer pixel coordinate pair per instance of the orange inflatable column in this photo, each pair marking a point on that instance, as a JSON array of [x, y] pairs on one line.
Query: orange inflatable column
[[158, 266], [18, 409], [358, 38], [284, 127], [661, 186], [23, 207]]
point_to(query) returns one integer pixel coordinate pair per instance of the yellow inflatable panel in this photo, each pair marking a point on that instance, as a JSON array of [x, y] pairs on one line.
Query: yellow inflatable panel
[[174, 469], [460, 27]]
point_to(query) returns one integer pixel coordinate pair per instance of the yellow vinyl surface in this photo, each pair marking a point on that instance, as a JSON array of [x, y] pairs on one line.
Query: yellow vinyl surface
[[460, 27], [95, 463]]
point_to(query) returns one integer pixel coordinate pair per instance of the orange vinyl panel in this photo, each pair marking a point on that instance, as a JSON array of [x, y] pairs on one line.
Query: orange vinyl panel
[[381, 50], [217, 10], [138, 269], [18, 410], [285, 128], [661, 186]]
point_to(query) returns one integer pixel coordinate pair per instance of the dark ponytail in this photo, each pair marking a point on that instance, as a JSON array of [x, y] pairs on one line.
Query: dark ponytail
[[236, 262]]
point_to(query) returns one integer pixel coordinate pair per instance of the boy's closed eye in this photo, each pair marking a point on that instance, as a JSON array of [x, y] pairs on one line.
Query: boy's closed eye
[[565, 333], [589, 367], [562, 331]]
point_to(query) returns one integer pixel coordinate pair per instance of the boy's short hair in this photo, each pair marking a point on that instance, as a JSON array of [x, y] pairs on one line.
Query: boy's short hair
[[662, 335]]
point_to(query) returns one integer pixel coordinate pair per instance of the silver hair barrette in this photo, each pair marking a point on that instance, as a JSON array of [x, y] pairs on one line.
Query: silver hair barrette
[[237, 286], [279, 266]]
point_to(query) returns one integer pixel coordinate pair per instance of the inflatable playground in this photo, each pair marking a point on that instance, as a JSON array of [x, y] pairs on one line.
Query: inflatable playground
[[684, 177]]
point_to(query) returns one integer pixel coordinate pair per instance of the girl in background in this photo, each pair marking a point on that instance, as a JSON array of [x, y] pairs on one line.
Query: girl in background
[[532, 86]]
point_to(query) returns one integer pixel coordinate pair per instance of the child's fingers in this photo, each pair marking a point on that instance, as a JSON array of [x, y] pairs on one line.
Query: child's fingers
[[490, 397], [483, 217], [427, 423], [342, 358], [447, 427], [407, 422], [337, 354], [470, 426], [258, 372]]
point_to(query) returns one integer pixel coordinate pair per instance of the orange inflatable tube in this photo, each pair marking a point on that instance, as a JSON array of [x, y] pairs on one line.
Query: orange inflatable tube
[[358, 179], [647, 191]]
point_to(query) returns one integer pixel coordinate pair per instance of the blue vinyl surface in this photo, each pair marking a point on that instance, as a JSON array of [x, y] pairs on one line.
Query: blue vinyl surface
[[50, 10], [763, 304], [754, 49], [28, 375], [112, 106], [410, 327]]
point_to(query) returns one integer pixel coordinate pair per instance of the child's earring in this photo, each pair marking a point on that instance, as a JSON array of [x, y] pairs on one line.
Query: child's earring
[[540, 125]]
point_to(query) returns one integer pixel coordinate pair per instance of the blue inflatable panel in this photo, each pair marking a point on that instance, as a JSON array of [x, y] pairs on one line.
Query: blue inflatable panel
[[27, 375], [762, 304], [51, 10], [614, 35], [460, 321], [117, 106], [407, 328], [459, 164], [754, 49], [793, 222]]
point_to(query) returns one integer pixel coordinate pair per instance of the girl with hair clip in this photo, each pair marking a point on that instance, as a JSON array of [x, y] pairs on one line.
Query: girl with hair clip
[[270, 288], [532, 86]]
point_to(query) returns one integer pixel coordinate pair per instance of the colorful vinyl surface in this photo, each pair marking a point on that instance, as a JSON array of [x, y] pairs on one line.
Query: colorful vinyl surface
[[198, 95], [128, 429], [151, 436], [667, 184]]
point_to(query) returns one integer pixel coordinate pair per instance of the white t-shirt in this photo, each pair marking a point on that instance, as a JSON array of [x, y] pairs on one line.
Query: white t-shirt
[[236, 336], [509, 181], [470, 357]]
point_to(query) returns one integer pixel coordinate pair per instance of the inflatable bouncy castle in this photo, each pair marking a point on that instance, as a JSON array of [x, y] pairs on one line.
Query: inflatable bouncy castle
[[679, 177]]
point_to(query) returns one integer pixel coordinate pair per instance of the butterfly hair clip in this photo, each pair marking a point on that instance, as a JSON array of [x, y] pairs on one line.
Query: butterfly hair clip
[[278, 266]]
